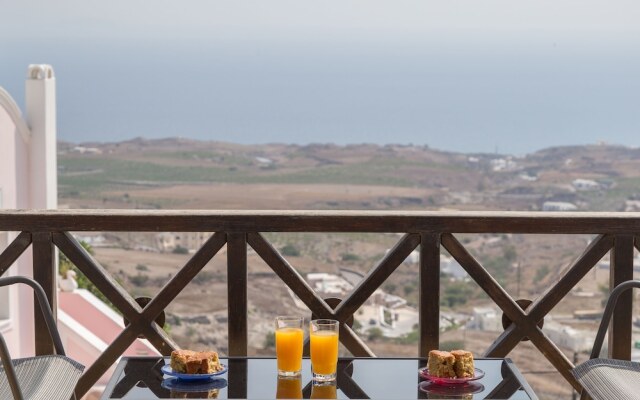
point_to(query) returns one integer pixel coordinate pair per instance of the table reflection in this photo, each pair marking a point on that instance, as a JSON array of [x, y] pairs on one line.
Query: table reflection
[[289, 387], [143, 374], [509, 385], [208, 389], [324, 390], [344, 382], [439, 391]]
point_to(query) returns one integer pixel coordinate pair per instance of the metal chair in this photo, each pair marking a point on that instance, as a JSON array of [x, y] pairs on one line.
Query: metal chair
[[609, 379], [41, 377]]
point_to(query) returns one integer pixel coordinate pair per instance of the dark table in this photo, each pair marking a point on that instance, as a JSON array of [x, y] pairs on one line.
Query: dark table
[[361, 378]]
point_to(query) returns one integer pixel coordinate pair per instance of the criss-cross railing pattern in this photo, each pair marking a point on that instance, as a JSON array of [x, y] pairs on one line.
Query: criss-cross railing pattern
[[429, 231], [345, 309]]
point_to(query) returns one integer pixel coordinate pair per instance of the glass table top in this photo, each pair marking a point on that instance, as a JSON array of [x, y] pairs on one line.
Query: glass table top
[[361, 378]]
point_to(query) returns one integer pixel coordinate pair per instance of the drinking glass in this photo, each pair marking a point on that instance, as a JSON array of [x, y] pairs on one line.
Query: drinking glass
[[324, 349], [289, 341], [289, 387]]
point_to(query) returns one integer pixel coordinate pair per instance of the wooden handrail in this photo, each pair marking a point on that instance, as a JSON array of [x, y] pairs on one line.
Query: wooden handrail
[[320, 221], [427, 231]]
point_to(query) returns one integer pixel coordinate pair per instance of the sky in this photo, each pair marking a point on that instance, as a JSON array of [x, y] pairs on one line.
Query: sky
[[470, 76]]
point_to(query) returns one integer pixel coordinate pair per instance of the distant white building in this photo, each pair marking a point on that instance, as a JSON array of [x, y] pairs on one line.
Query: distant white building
[[606, 262], [568, 337], [412, 258], [264, 160], [382, 310], [632, 205], [448, 265], [94, 240], [485, 319], [169, 241], [585, 184], [503, 164], [329, 284], [88, 150], [558, 206], [528, 177]]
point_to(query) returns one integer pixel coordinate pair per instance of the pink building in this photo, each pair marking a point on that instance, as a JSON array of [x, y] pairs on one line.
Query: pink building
[[28, 180]]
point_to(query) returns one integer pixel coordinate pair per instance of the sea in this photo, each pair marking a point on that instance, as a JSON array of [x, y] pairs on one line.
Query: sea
[[509, 98]]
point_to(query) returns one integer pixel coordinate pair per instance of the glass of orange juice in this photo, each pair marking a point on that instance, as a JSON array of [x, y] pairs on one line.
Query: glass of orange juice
[[289, 340], [324, 349]]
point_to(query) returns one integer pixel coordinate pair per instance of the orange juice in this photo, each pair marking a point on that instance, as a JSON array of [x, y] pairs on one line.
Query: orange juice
[[289, 388], [324, 392], [324, 352], [289, 349]]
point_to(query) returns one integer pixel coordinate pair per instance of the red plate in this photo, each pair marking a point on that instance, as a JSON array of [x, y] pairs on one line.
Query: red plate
[[450, 391], [424, 372]]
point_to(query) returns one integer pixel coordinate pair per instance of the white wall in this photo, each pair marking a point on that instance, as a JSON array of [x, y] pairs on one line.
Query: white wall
[[28, 179], [14, 168]]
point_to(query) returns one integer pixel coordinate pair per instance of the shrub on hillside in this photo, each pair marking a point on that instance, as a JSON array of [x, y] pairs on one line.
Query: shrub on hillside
[[290, 250], [180, 250]]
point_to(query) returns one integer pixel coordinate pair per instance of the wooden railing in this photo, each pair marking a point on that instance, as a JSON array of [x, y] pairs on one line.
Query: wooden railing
[[430, 231]]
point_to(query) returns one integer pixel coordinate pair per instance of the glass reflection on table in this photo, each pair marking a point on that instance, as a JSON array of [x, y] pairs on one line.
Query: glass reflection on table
[[289, 387], [324, 390]]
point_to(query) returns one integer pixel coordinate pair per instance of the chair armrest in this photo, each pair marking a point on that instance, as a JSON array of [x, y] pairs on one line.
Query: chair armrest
[[9, 370], [45, 308], [608, 312]]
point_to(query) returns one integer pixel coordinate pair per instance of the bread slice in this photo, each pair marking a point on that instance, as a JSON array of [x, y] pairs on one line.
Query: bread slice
[[463, 365], [441, 363]]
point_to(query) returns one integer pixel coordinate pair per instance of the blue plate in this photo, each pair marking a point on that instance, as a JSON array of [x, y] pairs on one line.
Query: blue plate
[[166, 369], [178, 385]]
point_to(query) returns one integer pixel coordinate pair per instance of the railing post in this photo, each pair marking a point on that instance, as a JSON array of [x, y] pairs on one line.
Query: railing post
[[44, 272], [621, 270], [237, 293], [429, 295]]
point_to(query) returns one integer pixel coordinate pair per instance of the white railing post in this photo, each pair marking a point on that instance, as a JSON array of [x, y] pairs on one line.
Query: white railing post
[[40, 98]]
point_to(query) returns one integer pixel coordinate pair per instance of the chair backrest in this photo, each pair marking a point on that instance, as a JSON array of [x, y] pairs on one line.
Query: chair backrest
[[8, 368], [45, 309], [608, 312]]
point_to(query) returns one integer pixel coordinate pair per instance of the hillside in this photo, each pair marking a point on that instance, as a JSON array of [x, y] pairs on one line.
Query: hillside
[[187, 174], [182, 173]]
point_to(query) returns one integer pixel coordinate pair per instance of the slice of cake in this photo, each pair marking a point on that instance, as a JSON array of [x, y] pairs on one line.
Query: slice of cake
[[205, 362], [213, 361], [179, 360], [193, 362], [463, 365], [441, 364]]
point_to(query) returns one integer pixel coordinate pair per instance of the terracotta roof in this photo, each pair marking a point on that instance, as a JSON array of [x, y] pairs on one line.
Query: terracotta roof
[[100, 320]]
